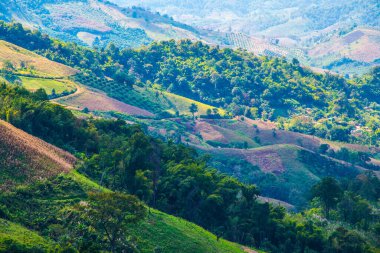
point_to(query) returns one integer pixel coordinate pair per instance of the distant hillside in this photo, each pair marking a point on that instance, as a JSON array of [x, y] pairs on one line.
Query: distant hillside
[[26, 158], [96, 22], [279, 162], [284, 28], [265, 17]]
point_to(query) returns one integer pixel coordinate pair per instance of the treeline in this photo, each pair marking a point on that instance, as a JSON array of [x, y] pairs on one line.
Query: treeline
[[330, 106], [170, 177]]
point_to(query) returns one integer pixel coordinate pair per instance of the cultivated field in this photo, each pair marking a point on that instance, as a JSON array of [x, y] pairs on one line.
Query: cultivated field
[[361, 45], [28, 158], [264, 134], [95, 100]]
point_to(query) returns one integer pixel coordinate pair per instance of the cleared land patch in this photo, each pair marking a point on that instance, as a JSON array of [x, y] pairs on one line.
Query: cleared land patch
[[182, 104], [95, 100]]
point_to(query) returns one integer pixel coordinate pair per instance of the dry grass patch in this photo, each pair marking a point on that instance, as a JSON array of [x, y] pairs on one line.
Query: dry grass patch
[[27, 158], [42, 65]]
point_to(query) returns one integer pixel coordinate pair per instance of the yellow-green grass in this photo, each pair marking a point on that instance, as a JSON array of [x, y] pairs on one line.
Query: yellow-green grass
[[11, 233], [171, 234], [35, 63], [86, 183], [182, 104], [59, 85]]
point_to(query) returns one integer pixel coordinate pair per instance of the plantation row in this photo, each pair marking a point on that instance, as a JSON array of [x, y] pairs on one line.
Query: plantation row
[[122, 92]]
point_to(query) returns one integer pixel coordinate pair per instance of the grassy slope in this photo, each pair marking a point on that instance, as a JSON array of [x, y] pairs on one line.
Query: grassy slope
[[172, 234], [182, 104], [48, 85], [166, 232], [11, 232], [41, 65]]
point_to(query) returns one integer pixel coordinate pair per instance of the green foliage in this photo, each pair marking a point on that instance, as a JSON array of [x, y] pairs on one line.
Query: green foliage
[[344, 241], [15, 238], [32, 113], [193, 109], [107, 215], [173, 178], [329, 193]]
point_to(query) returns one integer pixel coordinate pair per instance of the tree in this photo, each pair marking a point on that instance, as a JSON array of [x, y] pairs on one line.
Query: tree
[[354, 209], [323, 148], [329, 193], [208, 112], [8, 66], [110, 214], [193, 109], [344, 241]]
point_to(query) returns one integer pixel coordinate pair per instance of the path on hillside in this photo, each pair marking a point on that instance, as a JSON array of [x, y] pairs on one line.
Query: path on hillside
[[79, 91]]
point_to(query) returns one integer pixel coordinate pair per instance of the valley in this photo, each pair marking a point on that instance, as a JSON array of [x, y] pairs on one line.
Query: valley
[[156, 143]]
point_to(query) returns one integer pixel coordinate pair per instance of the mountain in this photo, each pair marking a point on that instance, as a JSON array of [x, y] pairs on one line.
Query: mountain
[[292, 30], [267, 18]]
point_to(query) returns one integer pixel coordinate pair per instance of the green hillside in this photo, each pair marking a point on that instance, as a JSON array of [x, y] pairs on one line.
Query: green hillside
[[159, 232], [96, 23], [16, 238]]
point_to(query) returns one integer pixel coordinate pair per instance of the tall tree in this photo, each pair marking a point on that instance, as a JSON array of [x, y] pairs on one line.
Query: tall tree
[[110, 215], [193, 109], [329, 193]]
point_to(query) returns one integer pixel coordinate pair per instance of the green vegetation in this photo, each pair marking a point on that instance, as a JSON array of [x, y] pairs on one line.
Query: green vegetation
[[51, 86], [52, 200], [15, 238], [181, 104], [172, 177]]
